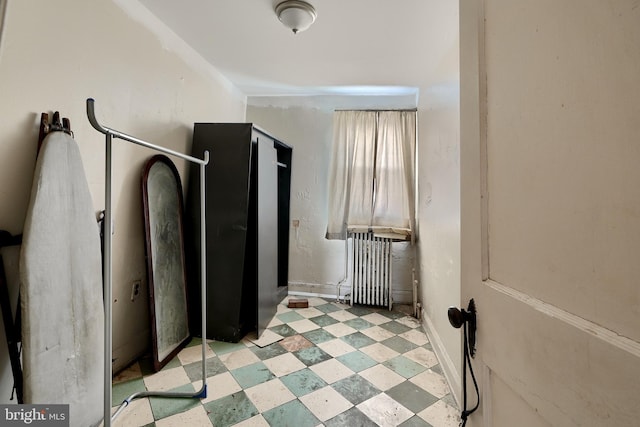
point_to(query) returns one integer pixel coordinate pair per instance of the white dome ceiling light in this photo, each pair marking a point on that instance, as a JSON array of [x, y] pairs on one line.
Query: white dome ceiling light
[[296, 15]]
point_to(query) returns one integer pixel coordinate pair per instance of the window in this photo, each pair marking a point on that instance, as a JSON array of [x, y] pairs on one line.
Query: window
[[372, 173]]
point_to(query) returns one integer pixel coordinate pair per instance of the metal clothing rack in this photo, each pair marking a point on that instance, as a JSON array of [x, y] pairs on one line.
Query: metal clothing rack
[[107, 267]]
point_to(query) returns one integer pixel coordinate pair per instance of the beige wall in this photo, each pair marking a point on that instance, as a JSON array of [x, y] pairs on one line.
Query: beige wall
[[317, 265], [146, 82], [439, 222]]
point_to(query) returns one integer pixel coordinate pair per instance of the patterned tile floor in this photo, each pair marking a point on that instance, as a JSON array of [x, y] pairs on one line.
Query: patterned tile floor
[[331, 365]]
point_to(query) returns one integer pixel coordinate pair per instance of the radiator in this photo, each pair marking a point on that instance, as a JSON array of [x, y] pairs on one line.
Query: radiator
[[371, 272]]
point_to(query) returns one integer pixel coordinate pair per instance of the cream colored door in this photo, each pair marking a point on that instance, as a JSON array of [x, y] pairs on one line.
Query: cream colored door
[[550, 165]]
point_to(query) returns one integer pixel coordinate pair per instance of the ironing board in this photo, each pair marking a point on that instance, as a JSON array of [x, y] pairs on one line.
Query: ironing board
[[61, 287]]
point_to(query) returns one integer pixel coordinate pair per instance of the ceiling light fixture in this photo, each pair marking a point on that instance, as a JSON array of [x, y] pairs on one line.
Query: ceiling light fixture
[[296, 15]]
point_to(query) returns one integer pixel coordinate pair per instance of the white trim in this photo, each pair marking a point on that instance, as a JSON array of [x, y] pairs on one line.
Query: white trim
[[399, 296], [487, 397], [448, 367], [312, 294], [607, 335]]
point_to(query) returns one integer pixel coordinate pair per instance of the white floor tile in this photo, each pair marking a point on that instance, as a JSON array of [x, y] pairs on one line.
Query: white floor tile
[[275, 322], [384, 411], [325, 403], [377, 333], [137, 413], [282, 308], [342, 315], [269, 395], [382, 377], [379, 352], [432, 382], [422, 356], [195, 417], [340, 329], [284, 364], [376, 318], [218, 386], [238, 359], [441, 415], [268, 337], [416, 336], [331, 371], [167, 379], [336, 347], [257, 421], [315, 301], [409, 321], [194, 354], [304, 325]]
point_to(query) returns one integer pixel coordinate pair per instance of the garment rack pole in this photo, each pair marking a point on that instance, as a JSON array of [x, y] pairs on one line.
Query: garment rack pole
[[107, 267]]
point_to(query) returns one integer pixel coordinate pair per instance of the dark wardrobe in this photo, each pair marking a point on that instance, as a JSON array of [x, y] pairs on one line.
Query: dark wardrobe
[[248, 186]]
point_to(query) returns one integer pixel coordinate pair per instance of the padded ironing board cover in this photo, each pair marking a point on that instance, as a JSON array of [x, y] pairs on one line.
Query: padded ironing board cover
[[61, 287]]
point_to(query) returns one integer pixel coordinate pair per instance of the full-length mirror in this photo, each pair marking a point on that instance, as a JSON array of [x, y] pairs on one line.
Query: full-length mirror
[[163, 212]]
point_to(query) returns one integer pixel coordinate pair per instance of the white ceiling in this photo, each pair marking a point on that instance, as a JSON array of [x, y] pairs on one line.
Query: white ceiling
[[393, 48]]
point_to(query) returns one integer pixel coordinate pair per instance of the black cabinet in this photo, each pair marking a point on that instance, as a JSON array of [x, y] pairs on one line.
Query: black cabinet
[[247, 187]]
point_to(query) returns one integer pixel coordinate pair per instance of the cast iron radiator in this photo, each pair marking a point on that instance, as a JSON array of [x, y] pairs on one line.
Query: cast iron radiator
[[372, 270]]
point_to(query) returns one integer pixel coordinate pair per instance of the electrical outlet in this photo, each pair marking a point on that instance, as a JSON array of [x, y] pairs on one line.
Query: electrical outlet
[[135, 290]]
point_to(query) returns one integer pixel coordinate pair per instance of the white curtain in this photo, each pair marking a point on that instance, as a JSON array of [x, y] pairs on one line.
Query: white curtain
[[371, 173]]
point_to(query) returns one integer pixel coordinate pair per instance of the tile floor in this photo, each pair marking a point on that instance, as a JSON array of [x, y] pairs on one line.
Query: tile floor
[[330, 364]]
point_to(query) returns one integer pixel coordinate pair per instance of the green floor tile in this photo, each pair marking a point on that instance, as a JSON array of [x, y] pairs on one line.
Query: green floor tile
[[437, 369], [355, 389], [450, 400], [359, 310], [284, 330], [392, 314], [253, 374], [327, 308], [352, 417], [399, 344], [323, 320], [230, 410], [405, 367], [269, 351], [312, 355], [213, 366], [222, 347], [358, 323], [358, 340], [291, 414], [411, 396], [120, 391], [194, 342], [289, 316], [318, 336], [163, 407], [395, 327], [357, 361], [303, 382], [428, 346], [415, 421]]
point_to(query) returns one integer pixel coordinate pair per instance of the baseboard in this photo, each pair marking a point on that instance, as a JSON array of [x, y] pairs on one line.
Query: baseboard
[[448, 367], [400, 296], [316, 290]]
